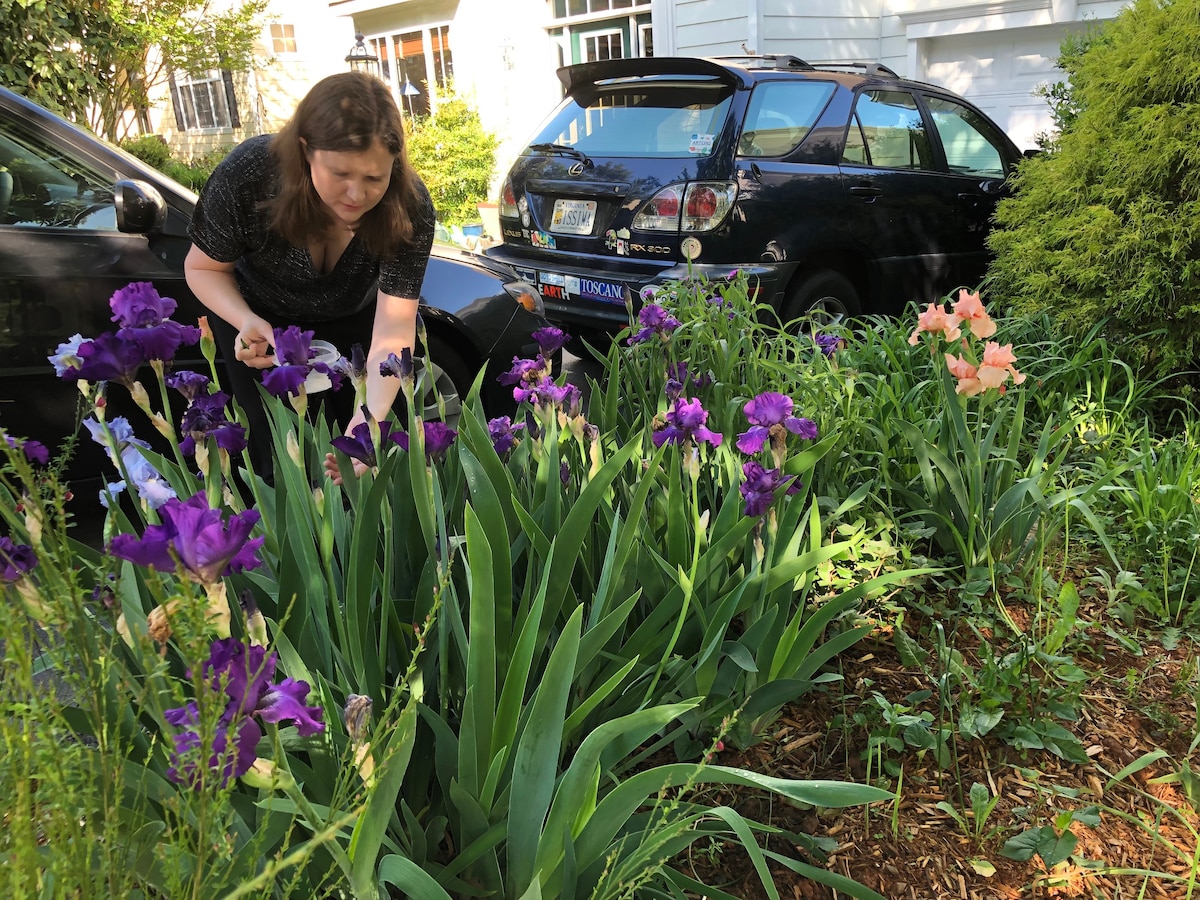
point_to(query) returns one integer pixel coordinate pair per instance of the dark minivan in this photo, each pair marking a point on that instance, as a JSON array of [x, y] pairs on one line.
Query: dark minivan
[[843, 188]]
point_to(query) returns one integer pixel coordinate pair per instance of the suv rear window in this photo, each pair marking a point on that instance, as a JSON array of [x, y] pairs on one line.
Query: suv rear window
[[648, 120]]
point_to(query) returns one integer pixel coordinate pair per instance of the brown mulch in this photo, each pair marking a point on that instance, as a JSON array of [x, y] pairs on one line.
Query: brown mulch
[[1132, 705]]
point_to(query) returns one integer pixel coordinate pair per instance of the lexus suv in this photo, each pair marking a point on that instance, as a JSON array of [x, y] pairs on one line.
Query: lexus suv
[[845, 189]]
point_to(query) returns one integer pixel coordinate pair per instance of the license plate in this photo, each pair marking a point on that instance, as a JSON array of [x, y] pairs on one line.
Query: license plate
[[573, 216]]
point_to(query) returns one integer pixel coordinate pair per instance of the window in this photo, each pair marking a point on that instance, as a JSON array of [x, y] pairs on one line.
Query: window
[[971, 144], [40, 185], [646, 36], [283, 38], [204, 102], [566, 8], [780, 115], [887, 131], [602, 45]]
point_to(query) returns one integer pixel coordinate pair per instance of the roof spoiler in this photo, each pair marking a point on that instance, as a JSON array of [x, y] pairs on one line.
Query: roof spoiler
[[589, 73]]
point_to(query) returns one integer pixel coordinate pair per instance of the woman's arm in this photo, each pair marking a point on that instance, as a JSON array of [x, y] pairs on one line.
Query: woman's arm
[[214, 285]]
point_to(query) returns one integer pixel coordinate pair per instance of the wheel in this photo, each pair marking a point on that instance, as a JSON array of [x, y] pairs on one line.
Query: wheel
[[440, 372], [823, 297]]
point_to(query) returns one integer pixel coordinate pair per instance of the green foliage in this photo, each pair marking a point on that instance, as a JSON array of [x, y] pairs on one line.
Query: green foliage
[[1104, 228], [455, 157], [93, 61], [150, 149]]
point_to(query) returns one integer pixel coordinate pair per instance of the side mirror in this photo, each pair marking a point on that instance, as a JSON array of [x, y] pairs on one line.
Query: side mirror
[[1033, 152], [140, 207]]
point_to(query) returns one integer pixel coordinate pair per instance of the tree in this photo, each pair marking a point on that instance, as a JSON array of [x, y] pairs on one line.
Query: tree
[[455, 157], [92, 60], [1105, 227]]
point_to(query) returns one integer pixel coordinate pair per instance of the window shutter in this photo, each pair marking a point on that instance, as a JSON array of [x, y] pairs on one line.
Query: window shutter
[[176, 103], [231, 99]]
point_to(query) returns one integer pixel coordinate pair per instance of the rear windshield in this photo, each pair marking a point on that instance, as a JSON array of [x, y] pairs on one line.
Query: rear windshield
[[659, 119]]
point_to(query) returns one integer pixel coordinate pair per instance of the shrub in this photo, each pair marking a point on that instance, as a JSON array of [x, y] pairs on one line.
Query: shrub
[[150, 149], [1104, 227], [455, 157]]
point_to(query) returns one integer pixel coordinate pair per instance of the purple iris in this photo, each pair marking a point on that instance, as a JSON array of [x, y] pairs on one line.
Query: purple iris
[[35, 451], [525, 371], [398, 366], [152, 489], [205, 418], [119, 429], [547, 393], [438, 438], [654, 321], [564, 473], [245, 676], [144, 317], [355, 367], [358, 444], [108, 357], [685, 422], [15, 560], [503, 432], [828, 344], [293, 352], [769, 414], [550, 340], [677, 377], [190, 384], [759, 486], [195, 537]]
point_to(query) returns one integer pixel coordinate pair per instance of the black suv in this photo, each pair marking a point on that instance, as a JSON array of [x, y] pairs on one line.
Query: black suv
[[843, 188]]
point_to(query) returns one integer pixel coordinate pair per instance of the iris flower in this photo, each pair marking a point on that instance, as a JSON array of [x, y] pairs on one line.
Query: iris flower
[[245, 675], [438, 438], [770, 417], [205, 545], [503, 432], [997, 365], [685, 422], [15, 560], [144, 318], [398, 366], [65, 358], [935, 319], [204, 418], [190, 384], [759, 486], [654, 321], [966, 374], [108, 357], [550, 340], [969, 310], [293, 352], [35, 451], [358, 444]]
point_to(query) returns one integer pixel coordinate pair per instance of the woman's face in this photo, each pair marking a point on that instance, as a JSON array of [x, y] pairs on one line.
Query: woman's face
[[350, 183]]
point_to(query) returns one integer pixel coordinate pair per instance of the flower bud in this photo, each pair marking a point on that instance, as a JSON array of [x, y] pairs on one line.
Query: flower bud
[[158, 623], [357, 717], [265, 775], [293, 447], [217, 613]]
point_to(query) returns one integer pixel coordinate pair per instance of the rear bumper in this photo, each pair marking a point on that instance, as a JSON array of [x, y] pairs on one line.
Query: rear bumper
[[605, 298]]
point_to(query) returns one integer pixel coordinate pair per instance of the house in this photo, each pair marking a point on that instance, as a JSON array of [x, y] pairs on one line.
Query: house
[[994, 52]]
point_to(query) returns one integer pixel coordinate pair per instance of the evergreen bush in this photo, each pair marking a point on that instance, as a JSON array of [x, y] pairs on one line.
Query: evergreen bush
[[455, 157], [1105, 226], [150, 149]]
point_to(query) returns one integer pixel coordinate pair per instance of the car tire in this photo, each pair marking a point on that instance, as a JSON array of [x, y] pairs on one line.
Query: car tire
[[451, 379], [822, 297]]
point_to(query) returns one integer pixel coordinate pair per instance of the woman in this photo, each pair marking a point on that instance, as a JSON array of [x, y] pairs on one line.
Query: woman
[[295, 229]]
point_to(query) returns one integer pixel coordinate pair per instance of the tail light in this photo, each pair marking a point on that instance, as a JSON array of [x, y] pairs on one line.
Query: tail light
[[508, 200], [704, 205]]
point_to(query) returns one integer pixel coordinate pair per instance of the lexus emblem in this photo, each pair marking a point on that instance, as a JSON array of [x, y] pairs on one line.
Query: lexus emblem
[[576, 169]]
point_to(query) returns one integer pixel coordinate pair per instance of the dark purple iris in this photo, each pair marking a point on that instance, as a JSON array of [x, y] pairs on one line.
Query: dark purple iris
[[144, 317], [759, 486], [107, 358], [398, 366], [293, 353], [654, 321], [438, 438], [205, 545], [35, 451], [685, 422], [15, 559], [245, 675], [547, 393], [190, 384], [205, 418], [503, 432], [524, 371], [358, 444], [550, 340], [828, 344], [770, 415]]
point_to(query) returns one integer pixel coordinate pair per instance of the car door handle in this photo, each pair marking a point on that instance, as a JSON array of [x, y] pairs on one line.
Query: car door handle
[[870, 193]]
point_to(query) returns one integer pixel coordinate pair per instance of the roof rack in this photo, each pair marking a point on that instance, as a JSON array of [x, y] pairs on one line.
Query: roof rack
[[871, 69], [769, 60]]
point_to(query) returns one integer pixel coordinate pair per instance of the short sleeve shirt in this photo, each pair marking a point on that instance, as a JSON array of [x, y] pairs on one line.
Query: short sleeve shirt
[[231, 224]]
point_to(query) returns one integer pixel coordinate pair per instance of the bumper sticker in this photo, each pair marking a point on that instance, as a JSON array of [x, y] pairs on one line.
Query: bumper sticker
[[542, 240]]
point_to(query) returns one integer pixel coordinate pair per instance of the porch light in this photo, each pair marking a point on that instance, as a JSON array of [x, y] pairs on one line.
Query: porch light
[[361, 59]]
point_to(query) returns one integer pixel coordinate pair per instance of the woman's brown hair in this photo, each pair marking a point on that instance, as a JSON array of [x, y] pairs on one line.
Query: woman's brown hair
[[346, 112]]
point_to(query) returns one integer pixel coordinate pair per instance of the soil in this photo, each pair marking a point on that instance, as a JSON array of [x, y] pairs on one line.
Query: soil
[[1133, 703]]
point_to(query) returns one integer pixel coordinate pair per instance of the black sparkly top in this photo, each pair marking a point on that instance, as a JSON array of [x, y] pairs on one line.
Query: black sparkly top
[[230, 224]]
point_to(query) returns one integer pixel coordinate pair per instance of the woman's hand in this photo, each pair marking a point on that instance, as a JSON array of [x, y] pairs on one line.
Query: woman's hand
[[253, 345], [334, 472]]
